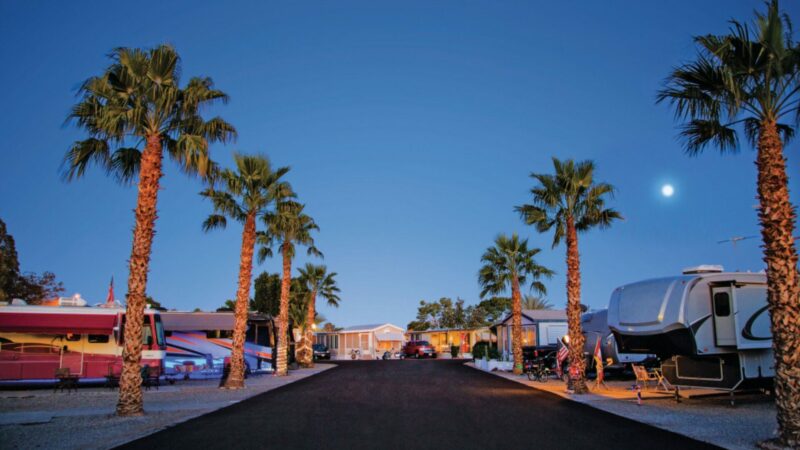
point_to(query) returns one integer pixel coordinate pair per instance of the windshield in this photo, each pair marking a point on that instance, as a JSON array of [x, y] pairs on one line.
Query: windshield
[[320, 347], [422, 343], [160, 341]]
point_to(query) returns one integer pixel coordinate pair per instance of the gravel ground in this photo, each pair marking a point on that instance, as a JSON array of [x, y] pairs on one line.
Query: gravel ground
[[40, 418], [709, 419]]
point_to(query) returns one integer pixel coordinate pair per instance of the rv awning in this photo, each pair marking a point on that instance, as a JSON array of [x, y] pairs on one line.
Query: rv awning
[[57, 323], [186, 321], [389, 337]]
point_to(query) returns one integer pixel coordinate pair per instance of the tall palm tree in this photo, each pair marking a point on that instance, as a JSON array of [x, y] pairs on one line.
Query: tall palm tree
[[318, 282], [511, 264], [132, 112], [244, 195], [571, 202], [287, 227], [533, 302], [749, 81]]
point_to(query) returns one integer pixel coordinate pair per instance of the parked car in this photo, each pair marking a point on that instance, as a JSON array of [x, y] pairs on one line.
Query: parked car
[[321, 352], [418, 349]]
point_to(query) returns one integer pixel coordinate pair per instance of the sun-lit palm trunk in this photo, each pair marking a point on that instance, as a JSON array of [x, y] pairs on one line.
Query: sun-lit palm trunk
[[236, 375], [576, 338], [283, 314], [777, 217], [516, 324], [130, 384], [306, 352]]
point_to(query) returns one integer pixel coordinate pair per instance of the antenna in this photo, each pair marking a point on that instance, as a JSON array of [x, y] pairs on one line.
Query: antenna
[[735, 239]]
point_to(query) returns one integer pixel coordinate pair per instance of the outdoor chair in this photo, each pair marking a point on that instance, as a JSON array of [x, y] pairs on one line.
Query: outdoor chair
[[66, 380], [151, 377], [112, 379], [644, 376]]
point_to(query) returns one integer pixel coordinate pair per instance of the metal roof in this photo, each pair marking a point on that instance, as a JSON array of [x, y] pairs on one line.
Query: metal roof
[[368, 327], [191, 321]]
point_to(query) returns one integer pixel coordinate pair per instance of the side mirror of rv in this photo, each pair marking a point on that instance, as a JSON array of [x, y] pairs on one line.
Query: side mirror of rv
[[65, 348]]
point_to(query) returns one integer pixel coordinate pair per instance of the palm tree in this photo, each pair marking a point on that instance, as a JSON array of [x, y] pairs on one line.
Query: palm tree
[[318, 282], [748, 81], [287, 226], [533, 302], [138, 102], [571, 202], [510, 263], [244, 195]]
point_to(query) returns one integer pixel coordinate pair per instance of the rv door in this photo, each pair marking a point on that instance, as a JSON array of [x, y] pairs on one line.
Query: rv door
[[722, 310]]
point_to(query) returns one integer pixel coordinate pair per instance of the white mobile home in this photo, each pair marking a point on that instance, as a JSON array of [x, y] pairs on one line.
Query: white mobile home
[[540, 328], [370, 340], [711, 328]]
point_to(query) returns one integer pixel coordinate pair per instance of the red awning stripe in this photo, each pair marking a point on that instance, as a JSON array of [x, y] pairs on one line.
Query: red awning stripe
[[15, 322]]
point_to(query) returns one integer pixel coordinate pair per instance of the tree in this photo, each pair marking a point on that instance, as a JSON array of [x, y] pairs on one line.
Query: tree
[[511, 264], [748, 81], [9, 264], [243, 195], [496, 308], [532, 302], [318, 282], [330, 328], [138, 101], [155, 304], [29, 287], [228, 306], [570, 202], [287, 227], [267, 297]]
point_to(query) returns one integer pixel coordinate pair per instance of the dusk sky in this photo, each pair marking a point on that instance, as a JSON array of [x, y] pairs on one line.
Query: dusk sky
[[410, 128]]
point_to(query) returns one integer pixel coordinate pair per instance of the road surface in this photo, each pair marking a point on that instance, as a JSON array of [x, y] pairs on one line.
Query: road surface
[[411, 404]]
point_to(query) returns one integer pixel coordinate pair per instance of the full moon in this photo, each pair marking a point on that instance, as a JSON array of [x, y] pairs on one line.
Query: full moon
[[667, 190]]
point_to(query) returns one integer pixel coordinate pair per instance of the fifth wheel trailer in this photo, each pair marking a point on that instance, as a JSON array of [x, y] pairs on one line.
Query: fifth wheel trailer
[[710, 328]]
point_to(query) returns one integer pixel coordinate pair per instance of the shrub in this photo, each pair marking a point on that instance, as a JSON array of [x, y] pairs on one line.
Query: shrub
[[454, 351], [479, 350], [493, 353]]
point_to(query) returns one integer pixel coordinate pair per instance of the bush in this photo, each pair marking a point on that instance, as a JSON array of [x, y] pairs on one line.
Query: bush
[[479, 350], [493, 353], [454, 351]]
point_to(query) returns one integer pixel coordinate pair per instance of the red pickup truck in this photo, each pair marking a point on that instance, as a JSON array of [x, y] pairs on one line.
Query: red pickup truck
[[418, 349]]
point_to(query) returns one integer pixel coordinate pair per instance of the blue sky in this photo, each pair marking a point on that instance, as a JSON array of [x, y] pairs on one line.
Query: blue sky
[[410, 129]]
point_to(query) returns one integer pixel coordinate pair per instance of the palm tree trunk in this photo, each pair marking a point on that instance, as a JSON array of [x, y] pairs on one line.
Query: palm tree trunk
[[307, 351], [516, 324], [576, 339], [283, 316], [130, 401], [235, 378], [777, 218]]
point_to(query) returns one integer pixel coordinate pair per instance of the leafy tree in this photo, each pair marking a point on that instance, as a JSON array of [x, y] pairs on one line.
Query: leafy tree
[[9, 264], [137, 101], [496, 308], [29, 287], [330, 328], [570, 202], [287, 227], [243, 195], [317, 282], [228, 306], [155, 304], [268, 294], [511, 264], [749, 81]]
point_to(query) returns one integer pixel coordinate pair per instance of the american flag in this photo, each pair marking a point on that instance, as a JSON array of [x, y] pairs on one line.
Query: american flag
[[110, 298], [561, 356], [598, 360]]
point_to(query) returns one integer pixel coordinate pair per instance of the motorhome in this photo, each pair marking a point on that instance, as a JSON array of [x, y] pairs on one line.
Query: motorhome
[[594, 325], [199, 342], [36, 340], [710, 328]]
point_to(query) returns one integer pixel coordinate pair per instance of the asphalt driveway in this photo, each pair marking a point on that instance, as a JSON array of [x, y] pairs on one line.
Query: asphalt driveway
[[411, 404]]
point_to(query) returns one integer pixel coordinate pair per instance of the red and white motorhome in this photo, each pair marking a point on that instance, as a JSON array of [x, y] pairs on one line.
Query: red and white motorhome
[[37, 340]]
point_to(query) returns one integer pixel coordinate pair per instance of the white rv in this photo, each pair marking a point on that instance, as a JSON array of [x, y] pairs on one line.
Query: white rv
[[594, 325], [711, 328]]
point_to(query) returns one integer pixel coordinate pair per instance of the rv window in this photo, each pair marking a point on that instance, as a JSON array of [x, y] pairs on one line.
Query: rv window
[[722, 304], [160, 340], [98, 338], [73, 337], [146, 331]]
